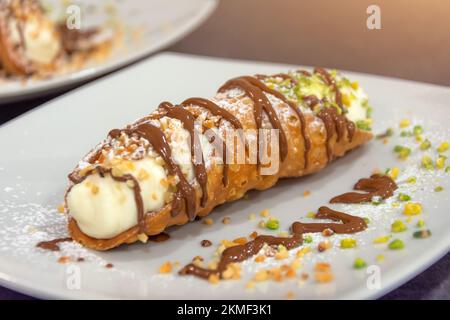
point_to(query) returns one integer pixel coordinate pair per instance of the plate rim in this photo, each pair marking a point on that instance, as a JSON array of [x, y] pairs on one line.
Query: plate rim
[[394, 280], [35, 89]]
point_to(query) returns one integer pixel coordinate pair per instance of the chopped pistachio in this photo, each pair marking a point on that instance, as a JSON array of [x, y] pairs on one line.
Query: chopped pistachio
[[405, 134], [411, 180], [417, 130], [447, 169], [393, 173], [364, 125], [425, 145], [403, 152], [412, 209], [359, 263], [311, 214], [398, 226], [382, 239], [377, 200], [427, 162], [307, 239], [420, 223], [404, 123], [438, 188], [443, 146], [272, 224], [396, 244], [366, 220], [403, 197], [348, 243], [440, 162], [422, 234]]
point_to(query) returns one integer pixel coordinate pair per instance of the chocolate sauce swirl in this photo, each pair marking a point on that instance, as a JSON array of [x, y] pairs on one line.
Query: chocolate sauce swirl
[[239, 253], [220, 112], [188, 120], [52, 245], [376, 186]]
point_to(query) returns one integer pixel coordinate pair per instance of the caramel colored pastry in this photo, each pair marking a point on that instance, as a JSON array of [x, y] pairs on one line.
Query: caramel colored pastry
[[29, 41], [148, 176]]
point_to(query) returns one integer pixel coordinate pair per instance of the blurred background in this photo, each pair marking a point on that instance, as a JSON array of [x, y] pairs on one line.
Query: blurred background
[[413, 43]]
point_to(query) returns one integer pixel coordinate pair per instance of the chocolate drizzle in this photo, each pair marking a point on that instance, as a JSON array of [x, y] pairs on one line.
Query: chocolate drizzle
[[220, 112], [52, 245], [184, 191], [350, 224], [255, 89], [188, 121], [376, 186], [240, 253]]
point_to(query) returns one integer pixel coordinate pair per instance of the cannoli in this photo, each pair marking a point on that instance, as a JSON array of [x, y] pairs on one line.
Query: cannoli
[[29, 41], [181, 161]]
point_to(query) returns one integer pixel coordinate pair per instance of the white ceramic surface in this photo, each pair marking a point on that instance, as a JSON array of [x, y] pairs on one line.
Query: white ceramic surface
[[41, 147], [147, 27]]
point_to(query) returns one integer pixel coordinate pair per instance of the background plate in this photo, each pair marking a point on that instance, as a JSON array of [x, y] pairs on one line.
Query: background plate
[[42, 146], [147, 26]]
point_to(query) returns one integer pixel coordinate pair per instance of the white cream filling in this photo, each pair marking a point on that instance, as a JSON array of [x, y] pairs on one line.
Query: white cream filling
[[103, 207], [41, 41], [356, 110]]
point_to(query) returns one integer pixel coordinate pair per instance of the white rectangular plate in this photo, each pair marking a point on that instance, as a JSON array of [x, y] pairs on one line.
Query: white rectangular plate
[[41, 147]]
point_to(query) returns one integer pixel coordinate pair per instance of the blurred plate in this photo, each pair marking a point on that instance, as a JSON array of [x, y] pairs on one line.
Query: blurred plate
[[147, 27], [45, 144]]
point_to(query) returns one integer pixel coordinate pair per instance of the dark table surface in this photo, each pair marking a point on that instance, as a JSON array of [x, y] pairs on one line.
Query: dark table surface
[[412, 44]]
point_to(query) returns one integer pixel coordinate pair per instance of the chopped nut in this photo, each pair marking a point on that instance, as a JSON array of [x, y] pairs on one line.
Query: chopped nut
[[206, 243], [396, 244], [261, 275], [142, 237], [304, 250], [306, 193], [393, 173], [208, 221], [327, 232], [404, 123], [64, 259], [282, 253], [262, 224], [213, 279], [166, 267], [398, 226], [382, 239], [443, 146], [130, 183], [143, 175], [240, 240], [323, 277], [290, 295], [422, 234], [323, 246], [249, 285], [420, 223], [322, 266], [253, 235], [264, 213], [61, 208], [260, 259], [348, 243], [359, 263], [412, 209], [226, 220], [272, 224]]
